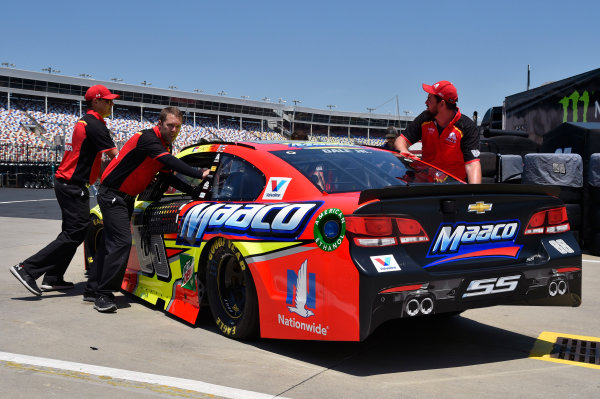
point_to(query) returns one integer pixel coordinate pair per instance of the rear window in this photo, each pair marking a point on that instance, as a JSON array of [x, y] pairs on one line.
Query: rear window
[[347, 169]]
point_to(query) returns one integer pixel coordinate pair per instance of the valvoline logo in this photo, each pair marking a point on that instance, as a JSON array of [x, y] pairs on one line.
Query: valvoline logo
[[276, 188], [461, 241], [385, 263], [301, 291]]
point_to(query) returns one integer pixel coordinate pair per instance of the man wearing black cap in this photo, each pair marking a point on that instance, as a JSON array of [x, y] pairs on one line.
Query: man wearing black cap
[[450, 140], [80, 167], [390, 138]]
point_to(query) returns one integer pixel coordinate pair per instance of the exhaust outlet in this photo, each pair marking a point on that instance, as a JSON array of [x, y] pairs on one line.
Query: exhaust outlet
[[412, 307], [553, 288], [426, 305], [562, 287]]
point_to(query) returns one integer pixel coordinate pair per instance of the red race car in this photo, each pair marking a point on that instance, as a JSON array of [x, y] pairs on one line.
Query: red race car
[[314, 241]]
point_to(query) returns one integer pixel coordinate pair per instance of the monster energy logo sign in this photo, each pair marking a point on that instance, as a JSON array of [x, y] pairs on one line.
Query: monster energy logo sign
[[574, 99]]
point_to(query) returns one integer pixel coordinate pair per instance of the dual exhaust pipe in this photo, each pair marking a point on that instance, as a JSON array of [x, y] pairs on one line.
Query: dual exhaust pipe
[[416, 306], [557, 287]]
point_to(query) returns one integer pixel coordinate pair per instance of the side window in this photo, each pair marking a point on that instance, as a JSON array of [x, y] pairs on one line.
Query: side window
[[157, 189], [237, 180]]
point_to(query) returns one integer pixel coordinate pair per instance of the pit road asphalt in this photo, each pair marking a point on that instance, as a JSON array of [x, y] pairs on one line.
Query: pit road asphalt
[[57, 346]]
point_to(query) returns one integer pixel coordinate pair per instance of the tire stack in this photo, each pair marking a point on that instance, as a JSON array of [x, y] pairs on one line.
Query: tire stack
[[592, 206], [564, 171]]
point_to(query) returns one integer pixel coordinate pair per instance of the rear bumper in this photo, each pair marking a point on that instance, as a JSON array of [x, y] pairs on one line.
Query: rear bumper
[[556, 283]]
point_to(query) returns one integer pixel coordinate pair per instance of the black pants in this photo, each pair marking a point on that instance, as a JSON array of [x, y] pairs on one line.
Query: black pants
[[108, 267], [53, 260]]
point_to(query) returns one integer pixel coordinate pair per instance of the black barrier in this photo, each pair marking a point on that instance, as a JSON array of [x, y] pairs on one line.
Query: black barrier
[[591, 209], [23, 165], [565, 171], [27, 174]]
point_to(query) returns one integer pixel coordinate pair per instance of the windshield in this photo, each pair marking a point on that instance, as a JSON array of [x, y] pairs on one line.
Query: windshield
[[346, 169]]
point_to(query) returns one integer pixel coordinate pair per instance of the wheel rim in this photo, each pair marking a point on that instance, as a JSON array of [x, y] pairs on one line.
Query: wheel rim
[[231, 284]]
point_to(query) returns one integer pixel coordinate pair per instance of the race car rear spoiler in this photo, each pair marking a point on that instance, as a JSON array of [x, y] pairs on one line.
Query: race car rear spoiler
[[455, 189]]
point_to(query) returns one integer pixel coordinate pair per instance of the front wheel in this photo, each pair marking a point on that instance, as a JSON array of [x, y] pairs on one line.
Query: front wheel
[[231, 292]]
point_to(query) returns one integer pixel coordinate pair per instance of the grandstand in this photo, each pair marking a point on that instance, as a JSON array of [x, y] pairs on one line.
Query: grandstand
[[37, 110]]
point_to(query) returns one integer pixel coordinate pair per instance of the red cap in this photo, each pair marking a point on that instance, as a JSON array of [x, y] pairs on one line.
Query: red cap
[[443, 89], [99, 91]]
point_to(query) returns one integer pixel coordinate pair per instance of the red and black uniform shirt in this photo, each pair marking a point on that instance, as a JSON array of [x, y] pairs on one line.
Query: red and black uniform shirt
[[449, 149], [137, 163], [83, 150]]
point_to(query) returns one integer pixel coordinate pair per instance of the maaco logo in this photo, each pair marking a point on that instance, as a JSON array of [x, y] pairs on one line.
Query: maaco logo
[[468, 241], [305, 297]]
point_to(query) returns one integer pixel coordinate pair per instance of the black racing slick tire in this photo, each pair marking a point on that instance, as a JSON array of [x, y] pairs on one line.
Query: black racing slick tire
[[231, 292], [92, 240]]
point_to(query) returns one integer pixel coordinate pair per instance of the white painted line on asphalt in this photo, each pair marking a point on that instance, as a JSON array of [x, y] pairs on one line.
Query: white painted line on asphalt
[[181, 383], [14, 202]]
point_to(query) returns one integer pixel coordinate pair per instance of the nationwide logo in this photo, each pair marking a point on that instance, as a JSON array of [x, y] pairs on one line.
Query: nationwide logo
[[301, 298], [284, 221], [301, 291], [276, 188], [385, 263], [462, 241]]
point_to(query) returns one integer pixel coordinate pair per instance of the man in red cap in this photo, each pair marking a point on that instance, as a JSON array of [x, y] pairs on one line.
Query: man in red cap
[[80, 167], [450, 140]]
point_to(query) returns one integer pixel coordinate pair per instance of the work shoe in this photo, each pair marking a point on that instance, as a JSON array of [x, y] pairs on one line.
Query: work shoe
[[105, 304], [29, 282], [57, 285], [89, 297]]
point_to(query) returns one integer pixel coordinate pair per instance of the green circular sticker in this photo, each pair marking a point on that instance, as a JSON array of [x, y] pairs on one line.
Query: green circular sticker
[[330, 229]]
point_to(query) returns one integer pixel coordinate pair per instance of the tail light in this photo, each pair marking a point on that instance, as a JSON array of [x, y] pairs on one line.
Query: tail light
[[375, 231], [549, 221]]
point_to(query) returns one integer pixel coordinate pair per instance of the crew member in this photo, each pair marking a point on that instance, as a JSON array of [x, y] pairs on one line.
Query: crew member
[[143, 155], [390, 138], [450, 140], [80, 167]]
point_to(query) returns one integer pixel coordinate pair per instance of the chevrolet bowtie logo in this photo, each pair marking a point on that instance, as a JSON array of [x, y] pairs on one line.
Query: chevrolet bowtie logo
[[480, 207]]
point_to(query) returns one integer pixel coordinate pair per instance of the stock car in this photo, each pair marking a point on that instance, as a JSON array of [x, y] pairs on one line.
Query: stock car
[[314, 241]]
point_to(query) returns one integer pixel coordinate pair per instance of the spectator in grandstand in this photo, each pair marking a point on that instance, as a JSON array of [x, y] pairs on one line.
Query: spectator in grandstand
[[450, 139], [142, 156], [390, 138], [79, 168]]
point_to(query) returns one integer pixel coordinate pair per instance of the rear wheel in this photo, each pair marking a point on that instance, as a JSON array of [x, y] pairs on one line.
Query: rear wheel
[[231, 292]]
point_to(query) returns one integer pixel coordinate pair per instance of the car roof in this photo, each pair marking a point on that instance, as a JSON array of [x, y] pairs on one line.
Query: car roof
[[266, 145]]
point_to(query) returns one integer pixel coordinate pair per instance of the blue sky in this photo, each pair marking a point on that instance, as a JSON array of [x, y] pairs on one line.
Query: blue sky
[[354, 55]]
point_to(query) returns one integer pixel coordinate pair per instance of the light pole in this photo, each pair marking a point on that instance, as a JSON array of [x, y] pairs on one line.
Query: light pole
[[85, 75], [199, 91], [146, 83], [222, 93], [296, 102], [245, 97], [173, 87], [330, 106], [50, 70], [8, 65], [281, 101], [266, 99], [116, 79], [371, 109]]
